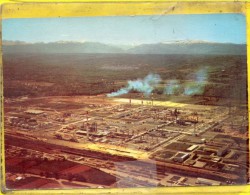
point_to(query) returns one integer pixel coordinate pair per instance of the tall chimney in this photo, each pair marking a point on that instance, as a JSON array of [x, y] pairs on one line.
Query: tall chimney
[[88, 133]]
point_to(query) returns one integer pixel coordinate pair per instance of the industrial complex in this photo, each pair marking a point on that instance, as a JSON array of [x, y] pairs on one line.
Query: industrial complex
[[130, 142]]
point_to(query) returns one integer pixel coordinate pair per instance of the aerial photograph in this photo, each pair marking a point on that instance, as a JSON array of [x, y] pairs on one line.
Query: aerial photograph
[[125, 101]]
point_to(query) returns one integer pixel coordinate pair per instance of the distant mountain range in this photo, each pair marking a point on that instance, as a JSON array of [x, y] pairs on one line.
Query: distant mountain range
[[177, 47]]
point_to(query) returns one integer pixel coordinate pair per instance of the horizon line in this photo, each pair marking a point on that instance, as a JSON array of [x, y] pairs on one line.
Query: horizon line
[[122, 44]]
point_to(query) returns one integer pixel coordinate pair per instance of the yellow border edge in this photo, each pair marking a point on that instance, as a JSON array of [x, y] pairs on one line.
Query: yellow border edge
[[31, 10]]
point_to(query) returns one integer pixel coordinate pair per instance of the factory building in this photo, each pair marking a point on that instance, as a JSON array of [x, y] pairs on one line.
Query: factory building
[[222, 151], [34, 112], [181, 157], [85, 133], [207, 182], [191, 148]]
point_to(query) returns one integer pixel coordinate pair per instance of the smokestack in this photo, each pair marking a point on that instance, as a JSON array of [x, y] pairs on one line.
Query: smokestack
[[87, 129], [95, 127], [152, 101], [194, 130], [87, 115]]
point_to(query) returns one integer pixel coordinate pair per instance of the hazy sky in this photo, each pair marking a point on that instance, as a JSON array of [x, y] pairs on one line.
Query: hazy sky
[[129, 30]]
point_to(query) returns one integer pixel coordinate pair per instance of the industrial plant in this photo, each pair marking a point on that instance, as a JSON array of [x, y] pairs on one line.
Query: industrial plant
[[181, 144]]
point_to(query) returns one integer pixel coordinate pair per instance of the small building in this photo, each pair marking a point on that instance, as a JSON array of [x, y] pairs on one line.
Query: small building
[[207, 182], [34, 112], [191, 148], [85, 133], [181, 157], [200, 164], [222, 151]]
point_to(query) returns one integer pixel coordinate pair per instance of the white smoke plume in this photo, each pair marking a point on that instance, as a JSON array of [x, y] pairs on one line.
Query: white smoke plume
[[145, 86]]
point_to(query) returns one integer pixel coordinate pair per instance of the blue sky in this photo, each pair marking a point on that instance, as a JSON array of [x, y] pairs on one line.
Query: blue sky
[[129, 30]]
